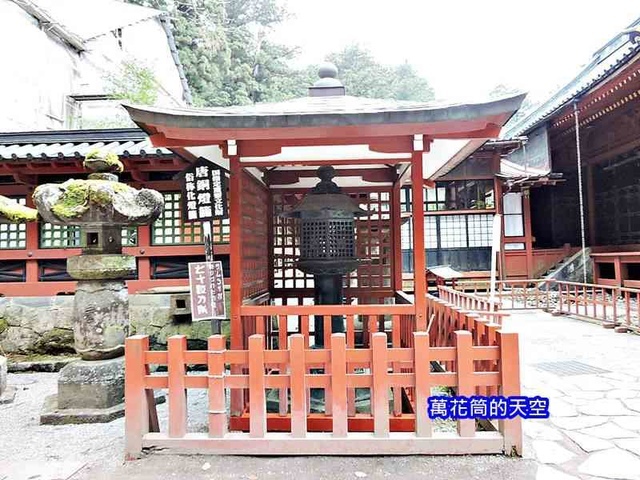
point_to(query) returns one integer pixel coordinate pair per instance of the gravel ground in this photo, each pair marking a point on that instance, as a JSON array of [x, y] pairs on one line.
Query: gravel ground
[[95, 451]]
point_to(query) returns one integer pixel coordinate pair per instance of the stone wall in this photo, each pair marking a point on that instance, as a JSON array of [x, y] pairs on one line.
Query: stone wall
[[43, 325]]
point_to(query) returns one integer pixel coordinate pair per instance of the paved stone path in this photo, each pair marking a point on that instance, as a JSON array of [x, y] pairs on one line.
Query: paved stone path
[[593, 432], [594, 428]]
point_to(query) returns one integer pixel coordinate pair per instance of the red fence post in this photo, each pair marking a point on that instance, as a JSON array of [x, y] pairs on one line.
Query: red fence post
[[510, 386], [257, 398], [217, 408], [422, 370], [380, 388], [298, 369], [339, 384], [283, 328], [136, 407], [464, 370], [177, 346]]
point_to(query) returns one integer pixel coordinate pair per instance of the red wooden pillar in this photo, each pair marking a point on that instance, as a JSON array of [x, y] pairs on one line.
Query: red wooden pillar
[[32, 243], [235, 259], [419, 256], [144, 262], [528, 234]]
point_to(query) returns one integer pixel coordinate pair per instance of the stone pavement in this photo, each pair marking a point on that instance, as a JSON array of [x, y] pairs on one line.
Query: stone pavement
[[594, 430]]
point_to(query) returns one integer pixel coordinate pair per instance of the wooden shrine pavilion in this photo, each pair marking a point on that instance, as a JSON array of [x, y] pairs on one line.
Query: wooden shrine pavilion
[[388, 337]]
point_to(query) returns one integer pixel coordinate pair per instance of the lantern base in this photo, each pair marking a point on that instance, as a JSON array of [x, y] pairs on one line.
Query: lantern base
[[328, 291]]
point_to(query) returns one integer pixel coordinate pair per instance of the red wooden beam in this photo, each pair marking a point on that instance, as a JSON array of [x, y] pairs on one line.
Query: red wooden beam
[[355, 161], [288, 177], [486, 127]]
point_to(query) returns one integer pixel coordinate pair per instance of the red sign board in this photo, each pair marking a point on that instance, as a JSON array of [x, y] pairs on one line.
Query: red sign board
[[206, 282]]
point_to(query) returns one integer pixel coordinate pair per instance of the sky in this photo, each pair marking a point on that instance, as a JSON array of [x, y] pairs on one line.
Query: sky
[[463, 47]]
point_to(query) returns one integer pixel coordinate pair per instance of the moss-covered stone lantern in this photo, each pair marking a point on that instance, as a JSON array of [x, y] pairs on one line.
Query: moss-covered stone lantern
[[101, 206]]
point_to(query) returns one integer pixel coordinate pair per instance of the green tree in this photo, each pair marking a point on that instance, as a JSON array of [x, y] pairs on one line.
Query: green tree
[[229, 58], [134, 83], [364, 76]]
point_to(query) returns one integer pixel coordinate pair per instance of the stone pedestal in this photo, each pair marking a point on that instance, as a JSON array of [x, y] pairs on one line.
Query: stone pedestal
[[88, 392], [101, 318], [7, 393]]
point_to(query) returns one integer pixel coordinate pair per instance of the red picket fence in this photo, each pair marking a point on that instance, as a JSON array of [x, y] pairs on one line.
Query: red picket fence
[[473, 303], [470, 369]]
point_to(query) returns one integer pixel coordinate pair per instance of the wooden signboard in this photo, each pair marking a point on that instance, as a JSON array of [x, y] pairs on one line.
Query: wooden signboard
[[204, 192], [206, 283], [204, 198]]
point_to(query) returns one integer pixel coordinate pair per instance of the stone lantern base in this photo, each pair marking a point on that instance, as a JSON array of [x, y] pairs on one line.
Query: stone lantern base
[[7, 392], [88, 392]]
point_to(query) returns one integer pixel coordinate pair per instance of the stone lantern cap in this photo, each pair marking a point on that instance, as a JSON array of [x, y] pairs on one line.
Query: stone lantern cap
[[97, 201], [12, 212]]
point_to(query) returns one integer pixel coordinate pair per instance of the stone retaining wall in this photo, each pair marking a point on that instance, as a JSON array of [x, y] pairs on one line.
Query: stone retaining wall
[[43, 325]]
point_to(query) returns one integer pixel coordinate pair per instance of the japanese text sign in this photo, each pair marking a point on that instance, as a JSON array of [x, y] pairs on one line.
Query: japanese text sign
[[206, 283], [204, 192]]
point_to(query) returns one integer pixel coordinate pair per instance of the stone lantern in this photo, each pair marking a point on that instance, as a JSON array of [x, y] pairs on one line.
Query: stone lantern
[[327, 243], [92, 389], [11, 212]]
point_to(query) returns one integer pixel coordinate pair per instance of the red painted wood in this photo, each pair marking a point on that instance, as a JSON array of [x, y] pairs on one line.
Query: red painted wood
[[419, 256], [487, 127], [177, 346]]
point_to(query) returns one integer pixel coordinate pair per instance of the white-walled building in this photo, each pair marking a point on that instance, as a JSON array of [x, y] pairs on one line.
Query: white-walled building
[[56, 58]]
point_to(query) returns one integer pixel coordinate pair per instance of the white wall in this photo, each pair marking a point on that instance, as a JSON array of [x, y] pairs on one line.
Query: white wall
[[38, 72]]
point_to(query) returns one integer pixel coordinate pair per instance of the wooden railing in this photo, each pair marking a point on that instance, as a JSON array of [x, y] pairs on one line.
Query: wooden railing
[[479, 304], [611, 306], [296, 370]]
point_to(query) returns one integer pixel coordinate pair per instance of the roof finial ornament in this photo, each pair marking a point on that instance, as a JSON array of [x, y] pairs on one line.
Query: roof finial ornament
[[328, 70], [328, 85]]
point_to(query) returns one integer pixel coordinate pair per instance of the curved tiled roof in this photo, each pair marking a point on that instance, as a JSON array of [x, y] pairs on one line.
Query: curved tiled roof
[[327, 111], [76, 144]]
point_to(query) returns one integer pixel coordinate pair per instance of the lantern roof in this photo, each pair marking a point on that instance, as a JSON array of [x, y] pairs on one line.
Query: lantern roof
[[343, 114]]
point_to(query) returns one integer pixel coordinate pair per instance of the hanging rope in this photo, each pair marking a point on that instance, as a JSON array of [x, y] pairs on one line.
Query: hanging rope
[[581, 200]]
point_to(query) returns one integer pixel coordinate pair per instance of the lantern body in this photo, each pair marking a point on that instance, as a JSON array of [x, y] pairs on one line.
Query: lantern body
[[327, 244], [327, 240]]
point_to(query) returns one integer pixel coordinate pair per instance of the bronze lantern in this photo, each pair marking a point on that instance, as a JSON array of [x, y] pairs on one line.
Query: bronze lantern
[[327, 243]]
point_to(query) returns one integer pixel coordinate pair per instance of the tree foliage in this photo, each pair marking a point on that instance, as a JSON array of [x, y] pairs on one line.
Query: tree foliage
[[134, 83], [229, 58], [365, 77]]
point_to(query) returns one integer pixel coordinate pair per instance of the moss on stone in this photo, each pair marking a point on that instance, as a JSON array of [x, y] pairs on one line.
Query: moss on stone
[[55, 341], [78, 195], [16, 213], [99, 162], [4, 325]]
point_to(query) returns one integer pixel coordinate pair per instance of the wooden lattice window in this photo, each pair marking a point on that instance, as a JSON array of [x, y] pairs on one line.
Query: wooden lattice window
[[59, 236], [169, 228], [373, 241], [255, 237], [14, 236], [68, 236], [286, 249]]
